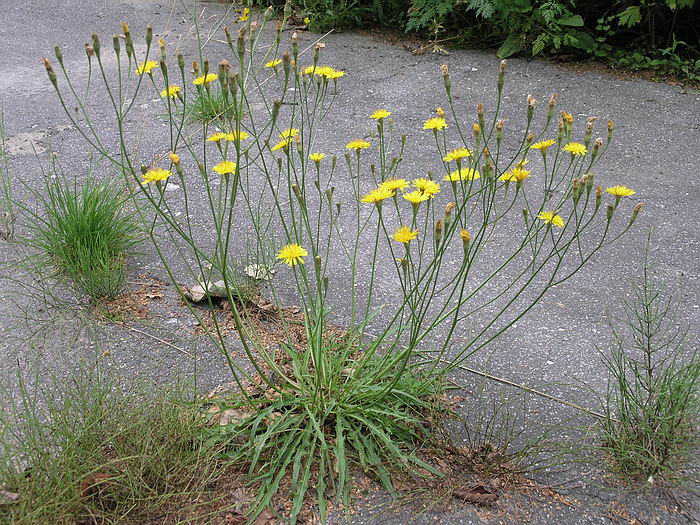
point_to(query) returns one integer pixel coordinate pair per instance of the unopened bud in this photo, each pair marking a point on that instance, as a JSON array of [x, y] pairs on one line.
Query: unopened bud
[[149, 34], [440, 112], [89, 51], [50, 72], [240, 44], [550, 106], [59, 54], [96, 44], [115, 44], [438, 231], [501, 76], [325, 283], [446, 78], [635, 213], [174, 158], [610, 129], [530, 137], [499, 130], [466, 239], [449, 207], [276, 105], [525, 214], [611, 210], [477, 129], [531, 103]]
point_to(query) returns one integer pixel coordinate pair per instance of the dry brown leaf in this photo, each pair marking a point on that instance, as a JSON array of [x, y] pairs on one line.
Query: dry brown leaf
[[91, 484], [477, 494], [225, 417], [8, 497], [265, 518]]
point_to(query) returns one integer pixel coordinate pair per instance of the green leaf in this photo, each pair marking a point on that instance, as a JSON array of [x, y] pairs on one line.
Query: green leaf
[[630, 16], [583, 41], [573, 21], [510, 46]]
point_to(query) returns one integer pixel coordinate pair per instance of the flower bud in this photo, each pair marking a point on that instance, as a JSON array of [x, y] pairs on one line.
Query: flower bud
[[325, 283], [531, 103], [477, 130], [438, 231], [446, 78], [550, 106], [480, 115], [181, 63], [635, 213], [195, 68], [89, 51], [96, 44], [525, 215], [440, 112], [149, 34], [501, 76], [598, 196], [466, 239], [611, 210], [295, 47], [528, 140], [596, 147], [276, 105], [240, 44], [50, 72], [115, 44], [59, 54]]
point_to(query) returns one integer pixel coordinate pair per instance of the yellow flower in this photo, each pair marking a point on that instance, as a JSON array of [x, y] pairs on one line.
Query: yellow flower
[[155, 175], [274, 63], [244, 17], [435, 123], [307, 20], [200, 80], [517, 175], [416, 197], [522, 163], [216, 137], [551, 217], [171, 91], [357, 145], [465, 235], [543, 145], [146, 67], [458, 153], [427, 186], [567, 117], [405, 235], [233, 136], [440, 112], [289, 132], [332, 75], [224, 167], [477, 128], [394, 184], [317, 157], [380, 114], [620, 191], [462, 174], [377, 195], [174, 158], [292, 254], [282, 144], [576, 148]]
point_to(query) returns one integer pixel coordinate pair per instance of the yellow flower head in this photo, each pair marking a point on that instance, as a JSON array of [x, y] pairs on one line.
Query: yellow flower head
[[436, 123], [551, 217], [517, 175], [292, 254], [244, 17], [405, 235], [427, 186], [462, 174], [567, 117], [620, 191], [234, 136], [174, 158], [380, 114], [317, 157], [307, 20], [543, 145], [216, 137], [521, 163], [458, 153], [465, 235], [289, 132], [377, 195], [274, 63], [171, 91], [332, 75], [416, 197], [358, 145], [576, 148], [440, 112], [224, 167], [394, 184], [146, 67], [282, 144], [209, 78], [155, 175]]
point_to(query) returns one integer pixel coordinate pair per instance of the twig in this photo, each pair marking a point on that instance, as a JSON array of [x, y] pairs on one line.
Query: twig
[[161, 341]]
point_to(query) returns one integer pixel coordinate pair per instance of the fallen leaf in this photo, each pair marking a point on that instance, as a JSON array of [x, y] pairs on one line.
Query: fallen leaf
[[8, 497], [90, 485], [477, 494], [265, 518], [226, 417]]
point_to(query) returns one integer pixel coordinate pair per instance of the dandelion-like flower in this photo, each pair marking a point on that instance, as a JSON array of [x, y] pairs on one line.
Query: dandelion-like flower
[[567, 117], [517, 175], [405, 235], [334, 74], [380, 114], [216, 137], [462, 174], [440, 112], [436, 123], [543, 145], [171, 91], [244, 17], [576, 148], [307, 20], [427, 186], [156, 175], [205, 79], [289, 132], [282, 144], [317, 157], [225, 167], [236, 135], [358, 145], [146, 67], [394, 184], [274, 63], [551, 217], [416, 197], [465, 235], [458, 153], [620, 191], [377, 195], [292, 254]]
